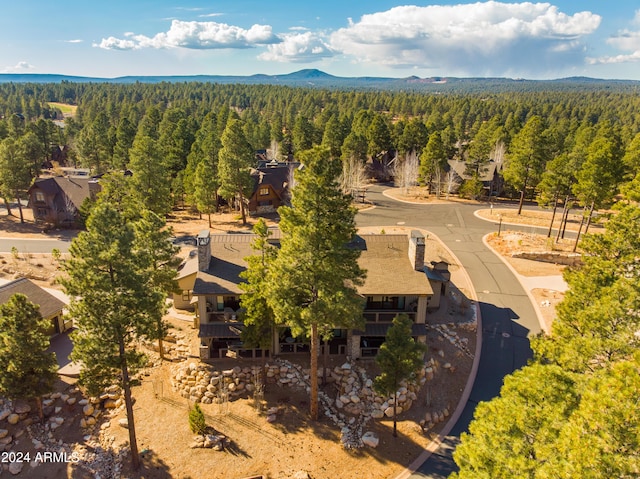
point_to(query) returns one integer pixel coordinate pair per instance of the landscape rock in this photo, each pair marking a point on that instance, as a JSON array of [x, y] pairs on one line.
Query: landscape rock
[[88, 410], [370, 439], [13, 419], [15, 468]]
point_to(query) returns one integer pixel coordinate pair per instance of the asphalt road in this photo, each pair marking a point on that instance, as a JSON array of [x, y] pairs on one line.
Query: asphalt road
[[508, 317]]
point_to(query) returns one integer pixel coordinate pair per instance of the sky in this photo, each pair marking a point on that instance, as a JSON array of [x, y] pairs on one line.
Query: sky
[[351, 38]]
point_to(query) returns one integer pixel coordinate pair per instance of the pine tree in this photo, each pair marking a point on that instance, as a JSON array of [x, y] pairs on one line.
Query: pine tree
[[234, 162], [399, 359], [258, 315], [312, 281], [28, 371], [114, 303]]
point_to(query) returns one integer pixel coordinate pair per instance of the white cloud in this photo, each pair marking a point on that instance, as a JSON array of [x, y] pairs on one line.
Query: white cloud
[[625, 40], [298, 48], [20, 67], [195, 35], [76, 40], [210, 15], [479, 38]]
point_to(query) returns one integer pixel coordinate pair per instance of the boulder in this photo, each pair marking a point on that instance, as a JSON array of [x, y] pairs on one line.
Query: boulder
[[123, 423], [301, 475], [3, 433], [16, 467], [21, 407], [370, 439], [13, 419], [88, 410], [377, 414], [5, 414], [110, 404]]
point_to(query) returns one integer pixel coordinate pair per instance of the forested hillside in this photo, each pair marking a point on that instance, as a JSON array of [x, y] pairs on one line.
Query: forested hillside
[[551, 143]]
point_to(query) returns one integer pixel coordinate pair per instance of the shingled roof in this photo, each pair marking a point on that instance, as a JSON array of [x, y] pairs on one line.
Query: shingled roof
[[49, 304]]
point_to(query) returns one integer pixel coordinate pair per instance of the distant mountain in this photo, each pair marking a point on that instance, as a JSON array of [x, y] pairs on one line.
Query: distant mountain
[[319, 79]]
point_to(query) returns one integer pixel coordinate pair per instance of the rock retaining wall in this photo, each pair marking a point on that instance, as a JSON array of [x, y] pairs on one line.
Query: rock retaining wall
[[569, 259]]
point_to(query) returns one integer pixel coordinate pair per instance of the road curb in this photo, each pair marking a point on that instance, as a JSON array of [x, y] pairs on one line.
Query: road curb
[[466, 393], [534, 303]]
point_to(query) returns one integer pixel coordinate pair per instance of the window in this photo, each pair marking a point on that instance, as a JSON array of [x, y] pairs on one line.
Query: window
[[186, 295], [42, 212], [264, 191], [39, 196]]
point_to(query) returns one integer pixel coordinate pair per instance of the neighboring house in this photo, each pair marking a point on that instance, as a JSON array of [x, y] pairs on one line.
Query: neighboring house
[[490, 175], [271, 186], [56, 201], [51, 308], [396, 282]]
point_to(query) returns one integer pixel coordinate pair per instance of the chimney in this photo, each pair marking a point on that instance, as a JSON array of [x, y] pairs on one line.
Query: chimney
[[204, 250], [416, 250]]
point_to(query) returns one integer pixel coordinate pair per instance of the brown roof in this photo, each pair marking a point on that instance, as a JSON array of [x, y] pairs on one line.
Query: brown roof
[[76, 189], [385, 257], [49, 304]]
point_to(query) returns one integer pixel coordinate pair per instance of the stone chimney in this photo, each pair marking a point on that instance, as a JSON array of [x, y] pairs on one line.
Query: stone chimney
[[204, 250], [416, 250]]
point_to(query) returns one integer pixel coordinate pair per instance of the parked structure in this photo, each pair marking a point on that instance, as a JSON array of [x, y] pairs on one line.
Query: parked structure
[[51, 308], [398, 281]]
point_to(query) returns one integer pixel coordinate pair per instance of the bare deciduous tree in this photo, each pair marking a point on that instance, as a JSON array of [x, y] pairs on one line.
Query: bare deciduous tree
[[451, 182], [353, 178], [405, 172]]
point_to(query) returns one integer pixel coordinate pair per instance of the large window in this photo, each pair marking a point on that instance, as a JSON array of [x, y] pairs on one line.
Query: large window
[[264, 191], [39, 196]]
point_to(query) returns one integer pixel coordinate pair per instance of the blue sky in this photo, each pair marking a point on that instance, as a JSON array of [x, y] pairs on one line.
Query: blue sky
[[597, 38]]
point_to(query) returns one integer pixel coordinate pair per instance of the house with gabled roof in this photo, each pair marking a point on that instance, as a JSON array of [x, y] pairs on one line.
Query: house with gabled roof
[[490, 174], [272, 181], [397, 282], [56, 201], [51, 308]]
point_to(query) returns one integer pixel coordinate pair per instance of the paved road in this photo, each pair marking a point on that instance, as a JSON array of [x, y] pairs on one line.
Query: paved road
[[28, 245], [508, 318]]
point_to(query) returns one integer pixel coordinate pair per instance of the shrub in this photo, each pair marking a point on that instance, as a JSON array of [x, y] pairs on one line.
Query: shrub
[[197, 422]]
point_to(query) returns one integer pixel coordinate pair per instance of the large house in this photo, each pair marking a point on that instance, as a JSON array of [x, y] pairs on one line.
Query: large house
[[51, 308], [489, 174], [271, 186], [398, 281], [56, 200]]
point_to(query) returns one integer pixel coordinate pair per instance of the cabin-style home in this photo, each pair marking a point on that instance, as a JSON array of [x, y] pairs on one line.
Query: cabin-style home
[[397, 281]]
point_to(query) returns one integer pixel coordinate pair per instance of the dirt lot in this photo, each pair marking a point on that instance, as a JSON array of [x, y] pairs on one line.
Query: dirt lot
[[277, 450]]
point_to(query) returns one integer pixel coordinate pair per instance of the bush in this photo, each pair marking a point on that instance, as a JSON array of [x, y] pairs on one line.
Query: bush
[[197, 422]]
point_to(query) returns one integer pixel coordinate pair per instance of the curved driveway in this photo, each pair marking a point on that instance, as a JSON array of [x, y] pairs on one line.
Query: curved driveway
[[508, 317]]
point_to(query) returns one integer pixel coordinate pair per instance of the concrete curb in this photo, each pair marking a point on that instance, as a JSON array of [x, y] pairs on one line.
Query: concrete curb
[[466, 393], [518, 276]]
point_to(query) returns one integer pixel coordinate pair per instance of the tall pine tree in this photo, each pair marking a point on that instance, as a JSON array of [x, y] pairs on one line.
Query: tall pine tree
[[312, 282], [114, 303]]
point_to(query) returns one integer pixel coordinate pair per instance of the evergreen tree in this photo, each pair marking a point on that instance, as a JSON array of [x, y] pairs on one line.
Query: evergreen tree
[[312, 281], [28, 371], [153, 246], [205, 187], [399, 359], [234, 163], [151, 180], [114, 302], [258, 316], [527, 158]]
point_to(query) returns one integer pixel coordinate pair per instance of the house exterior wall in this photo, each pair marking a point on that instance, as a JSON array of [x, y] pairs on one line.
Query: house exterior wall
[[264, 200], [182, 299]]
